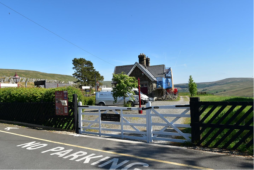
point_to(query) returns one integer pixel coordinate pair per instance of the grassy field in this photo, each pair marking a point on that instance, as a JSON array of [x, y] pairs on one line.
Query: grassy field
[[226, 98], [210, 97], [242, 87], [211, 132]]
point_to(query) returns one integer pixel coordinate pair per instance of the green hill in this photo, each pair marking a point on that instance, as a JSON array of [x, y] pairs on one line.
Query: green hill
[[107, 83], [35, 75], [40, 75], [242, 87], [227, 87]]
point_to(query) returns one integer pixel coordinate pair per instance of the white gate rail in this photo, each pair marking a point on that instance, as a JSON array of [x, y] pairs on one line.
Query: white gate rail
[[149, 134], [123, 121], [169, 124]]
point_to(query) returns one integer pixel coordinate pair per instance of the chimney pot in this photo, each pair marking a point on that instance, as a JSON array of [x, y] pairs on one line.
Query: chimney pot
[[142, 59], [147, 61]]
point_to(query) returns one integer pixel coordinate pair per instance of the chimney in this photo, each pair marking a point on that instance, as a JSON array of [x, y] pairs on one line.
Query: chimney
[[142, 59], [147, 61]]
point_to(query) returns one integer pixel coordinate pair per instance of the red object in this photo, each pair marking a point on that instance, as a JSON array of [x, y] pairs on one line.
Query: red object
[[139, 111], [175, 91], [61, 99], [169, 90], [16, 78], [144, 90]]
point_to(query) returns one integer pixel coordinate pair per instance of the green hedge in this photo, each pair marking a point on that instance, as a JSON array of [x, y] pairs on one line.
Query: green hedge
[[89, 101], [40, 94]]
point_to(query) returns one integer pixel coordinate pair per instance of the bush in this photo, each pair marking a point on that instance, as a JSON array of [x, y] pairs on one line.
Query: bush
[[21, 94], [37, 94], [89, 100], [128, 104]]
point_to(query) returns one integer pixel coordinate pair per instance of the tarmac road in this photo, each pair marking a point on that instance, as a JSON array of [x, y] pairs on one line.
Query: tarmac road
[[26, 148]]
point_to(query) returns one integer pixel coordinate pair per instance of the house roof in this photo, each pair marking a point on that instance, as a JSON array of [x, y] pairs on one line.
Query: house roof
[[144, 70], [151, 72], [126, 69], [157, 70]]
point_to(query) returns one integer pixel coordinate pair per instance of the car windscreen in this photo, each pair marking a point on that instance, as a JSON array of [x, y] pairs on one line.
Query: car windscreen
[[136, 92]]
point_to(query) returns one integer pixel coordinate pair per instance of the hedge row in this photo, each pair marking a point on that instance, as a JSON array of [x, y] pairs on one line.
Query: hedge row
[[40, 94]]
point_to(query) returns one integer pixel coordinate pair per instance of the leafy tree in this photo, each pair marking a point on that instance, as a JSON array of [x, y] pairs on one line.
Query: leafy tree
[[192, 87], [124, 85], [85, 72]]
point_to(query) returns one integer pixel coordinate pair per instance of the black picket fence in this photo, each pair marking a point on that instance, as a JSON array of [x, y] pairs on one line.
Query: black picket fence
[[40, 113], [227, 125]]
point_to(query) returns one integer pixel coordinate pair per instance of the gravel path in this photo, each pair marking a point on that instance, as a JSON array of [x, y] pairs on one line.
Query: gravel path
[[182, 101]]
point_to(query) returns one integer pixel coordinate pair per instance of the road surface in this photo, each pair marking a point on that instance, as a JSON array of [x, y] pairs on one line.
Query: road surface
[[27, 148]]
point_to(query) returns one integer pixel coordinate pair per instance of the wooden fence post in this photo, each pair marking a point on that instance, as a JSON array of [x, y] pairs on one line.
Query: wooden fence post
[[194, 111], [75, 112]]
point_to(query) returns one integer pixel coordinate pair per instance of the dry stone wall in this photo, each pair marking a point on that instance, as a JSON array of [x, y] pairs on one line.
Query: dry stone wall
[[7, 79]]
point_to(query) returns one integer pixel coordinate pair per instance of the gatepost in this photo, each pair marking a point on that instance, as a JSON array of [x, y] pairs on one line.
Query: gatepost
[[194, 112], [149, 123], [75, 112]]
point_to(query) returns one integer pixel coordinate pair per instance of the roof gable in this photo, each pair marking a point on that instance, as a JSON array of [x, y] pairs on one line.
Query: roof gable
[[153, 71], [144, 70], [125, 69]]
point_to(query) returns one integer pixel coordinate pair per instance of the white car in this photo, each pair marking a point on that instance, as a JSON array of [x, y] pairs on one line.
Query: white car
[[144, 98], [107, 99]]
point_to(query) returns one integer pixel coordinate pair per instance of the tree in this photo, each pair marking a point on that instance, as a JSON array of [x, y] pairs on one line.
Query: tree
[[192, 87], [85, 72], [124, 85]]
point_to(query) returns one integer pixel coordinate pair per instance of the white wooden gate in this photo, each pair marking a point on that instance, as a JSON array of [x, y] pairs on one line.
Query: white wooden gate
[[149, 130]]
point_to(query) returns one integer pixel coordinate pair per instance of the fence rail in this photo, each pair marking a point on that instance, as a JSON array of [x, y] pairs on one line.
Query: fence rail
[[227, 125], [40, 113]]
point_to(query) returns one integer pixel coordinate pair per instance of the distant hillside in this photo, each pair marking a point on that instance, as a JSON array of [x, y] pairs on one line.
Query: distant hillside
[[107, 83], [227, 87], [36, 75]]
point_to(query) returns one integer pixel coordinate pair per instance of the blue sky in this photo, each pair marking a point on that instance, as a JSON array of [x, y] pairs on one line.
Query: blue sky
[[210, 40]]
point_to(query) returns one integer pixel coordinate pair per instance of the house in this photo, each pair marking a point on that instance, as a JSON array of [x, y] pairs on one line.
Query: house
[[154, 79]]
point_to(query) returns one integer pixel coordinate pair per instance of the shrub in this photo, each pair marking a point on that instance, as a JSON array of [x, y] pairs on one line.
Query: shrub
[[128, 104], [89, 100], [37, 94], [21, 94]]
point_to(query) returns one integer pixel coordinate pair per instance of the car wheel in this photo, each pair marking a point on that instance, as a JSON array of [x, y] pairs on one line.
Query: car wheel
[[101, 104], [132, 104]]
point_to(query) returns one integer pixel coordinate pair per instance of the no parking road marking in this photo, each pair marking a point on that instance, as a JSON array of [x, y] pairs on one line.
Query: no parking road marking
[[9, 128], [111, 152], [83, 156]]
